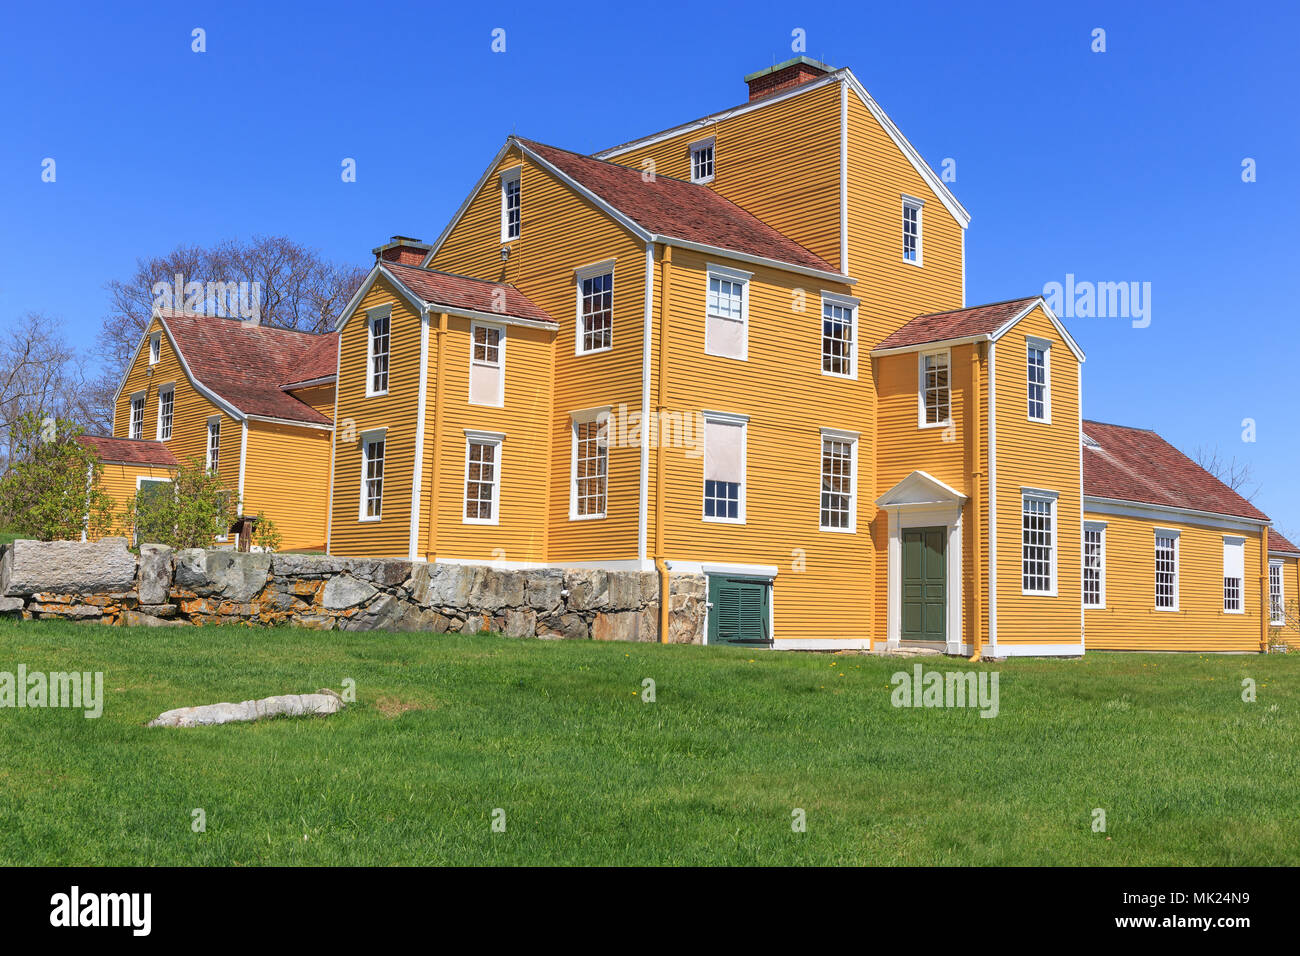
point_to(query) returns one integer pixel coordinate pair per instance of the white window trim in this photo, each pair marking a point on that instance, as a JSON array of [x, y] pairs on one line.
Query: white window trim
[[920, 388], [207, 442], [1178, 566], [846, 302], [508, 176], [130, 415], [837, 434], [158, 429], [1281, 592], [919, 206], [577, 418], [728, 418], [1097, 526], [501, 364], [365, 437], [372, 315], [733, 275], [590, 272], [496, 439], [708, 142], [1042, 494], [155, 348], [1031, 342], [1235, 540]]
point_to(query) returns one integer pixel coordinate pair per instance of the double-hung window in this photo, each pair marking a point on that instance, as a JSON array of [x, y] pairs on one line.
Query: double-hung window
[[936, 388], [214, 443], [487, 365], [379, 325], [726, 322], [702, 160], [839, 480], [1234, 574], [589, 479], [595, 326], [155, 348], [839, 336], [912, 229], [166, 407], [1039, 379], [1166, 558], [372, 475], [1038, 542], [482, 476], [1094, 564], [137, 415], [724, 467], [1276, 612], [511, 222]]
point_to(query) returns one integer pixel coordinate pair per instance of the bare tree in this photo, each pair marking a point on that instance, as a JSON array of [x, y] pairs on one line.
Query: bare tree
[[40, 373], [1237, 475], [299, 290]]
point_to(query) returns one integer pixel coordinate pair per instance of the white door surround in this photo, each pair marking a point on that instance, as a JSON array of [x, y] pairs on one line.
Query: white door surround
[[922, 501]]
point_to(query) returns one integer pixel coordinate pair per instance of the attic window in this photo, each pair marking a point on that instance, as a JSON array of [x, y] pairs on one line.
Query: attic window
[[510, 205], [155, 348], [702, 161]]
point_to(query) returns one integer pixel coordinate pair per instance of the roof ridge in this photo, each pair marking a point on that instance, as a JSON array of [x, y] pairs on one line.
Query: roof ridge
[[1132, 428], [454, 275], [597, 159], [982, 305]]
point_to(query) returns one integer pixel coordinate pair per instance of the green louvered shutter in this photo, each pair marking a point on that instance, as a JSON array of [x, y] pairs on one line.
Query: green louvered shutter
[[739, 610]]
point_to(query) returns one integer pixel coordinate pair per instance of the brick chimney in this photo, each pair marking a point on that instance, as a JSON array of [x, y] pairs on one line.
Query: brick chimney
[[403, 250], [784, 76]]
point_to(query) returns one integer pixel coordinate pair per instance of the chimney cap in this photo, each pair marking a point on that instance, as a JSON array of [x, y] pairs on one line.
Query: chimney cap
[[793, 61], [400, 242]]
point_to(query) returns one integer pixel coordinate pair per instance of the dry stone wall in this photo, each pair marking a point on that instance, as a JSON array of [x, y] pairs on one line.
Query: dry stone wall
[[105, 582]]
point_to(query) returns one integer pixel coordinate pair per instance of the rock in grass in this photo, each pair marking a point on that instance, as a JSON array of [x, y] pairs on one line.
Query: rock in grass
[[321, 703]]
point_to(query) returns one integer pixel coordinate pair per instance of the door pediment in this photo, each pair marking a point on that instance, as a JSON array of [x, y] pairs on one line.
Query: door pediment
[[920, 490]]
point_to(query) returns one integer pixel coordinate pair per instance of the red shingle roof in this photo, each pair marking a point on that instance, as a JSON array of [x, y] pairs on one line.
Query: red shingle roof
[[1135, 464], [130, 451], [462, 292], [247, 365], [957, 324], [319, 360], [1278, 543], [678, 209]]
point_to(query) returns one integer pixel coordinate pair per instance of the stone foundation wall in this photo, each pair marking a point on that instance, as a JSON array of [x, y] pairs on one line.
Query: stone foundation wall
[[105, 582]]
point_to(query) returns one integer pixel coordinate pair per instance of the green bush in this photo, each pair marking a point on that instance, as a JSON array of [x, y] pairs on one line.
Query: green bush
[[187, 513], [51, 491]]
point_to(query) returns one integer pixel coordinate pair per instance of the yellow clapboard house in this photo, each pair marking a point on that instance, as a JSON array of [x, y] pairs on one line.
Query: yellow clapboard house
[[252, 403], [740, 348]]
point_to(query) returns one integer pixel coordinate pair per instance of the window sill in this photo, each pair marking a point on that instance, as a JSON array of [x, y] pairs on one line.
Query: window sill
[[377, 394], [925, 426], [607, 348], [913, 262], [373, 520], [1024, 593], [1038, 421], [850, 377], [853, 530], [709, 520], [480, 521], [573, 517]]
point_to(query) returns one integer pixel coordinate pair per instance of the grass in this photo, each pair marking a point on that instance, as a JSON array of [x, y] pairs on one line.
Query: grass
[[448, 728]]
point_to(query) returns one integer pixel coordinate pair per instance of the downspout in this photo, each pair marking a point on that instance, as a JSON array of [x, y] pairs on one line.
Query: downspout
[[1265, 611], [661, 407], [976, 474], [431, 551]]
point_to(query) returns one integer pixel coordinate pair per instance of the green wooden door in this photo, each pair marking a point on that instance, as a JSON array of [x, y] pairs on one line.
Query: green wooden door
[[925, 584], [739, 610]]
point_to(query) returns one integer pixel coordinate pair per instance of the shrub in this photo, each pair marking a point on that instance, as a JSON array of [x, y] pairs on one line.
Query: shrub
[[51, 490], [198, 507], [265, 534]]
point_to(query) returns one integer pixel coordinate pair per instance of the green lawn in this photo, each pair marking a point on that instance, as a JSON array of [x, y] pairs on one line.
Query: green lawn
[[448, 728]]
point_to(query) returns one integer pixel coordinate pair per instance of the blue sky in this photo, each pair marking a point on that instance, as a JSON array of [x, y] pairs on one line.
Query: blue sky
[[1115, 166]]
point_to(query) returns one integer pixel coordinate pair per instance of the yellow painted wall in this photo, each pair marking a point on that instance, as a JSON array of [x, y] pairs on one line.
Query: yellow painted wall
[[781, 163], [359, 413], [1043, 456], [943, 452], [525, 454], [319, 397], [1130, 620], [788, 400], [561, 232], [286, 478]]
